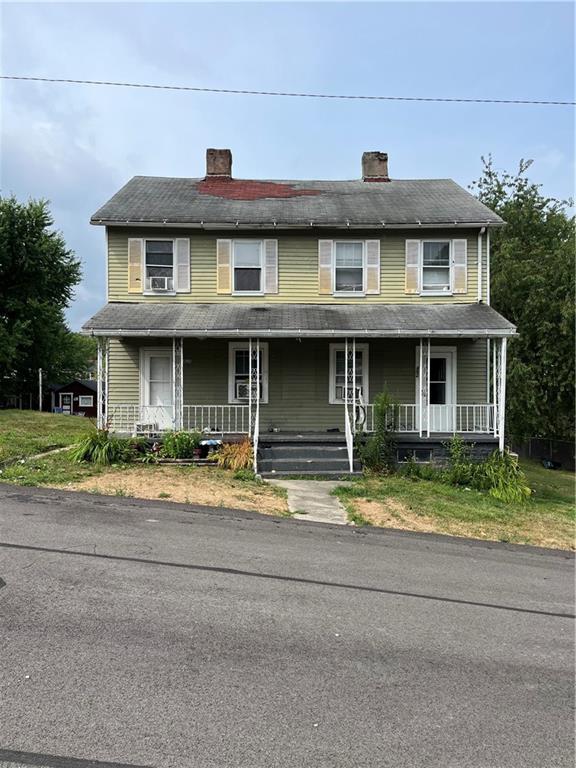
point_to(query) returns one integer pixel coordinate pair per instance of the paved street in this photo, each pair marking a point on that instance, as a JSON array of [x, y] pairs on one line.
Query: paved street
[[150, 634]]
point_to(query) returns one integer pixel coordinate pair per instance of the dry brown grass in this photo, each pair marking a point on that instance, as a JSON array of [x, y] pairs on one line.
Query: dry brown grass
[[192, 485]]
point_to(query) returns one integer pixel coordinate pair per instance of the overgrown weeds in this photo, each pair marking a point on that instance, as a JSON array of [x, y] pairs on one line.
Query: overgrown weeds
[[103, 449]]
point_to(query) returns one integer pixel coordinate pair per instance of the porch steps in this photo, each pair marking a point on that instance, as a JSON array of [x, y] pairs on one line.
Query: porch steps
[[304, 455]]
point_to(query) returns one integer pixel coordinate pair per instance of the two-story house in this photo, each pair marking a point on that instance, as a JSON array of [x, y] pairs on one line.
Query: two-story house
[[279, 309]]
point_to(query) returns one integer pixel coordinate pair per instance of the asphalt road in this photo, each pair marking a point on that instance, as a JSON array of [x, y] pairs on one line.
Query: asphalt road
[[151, 634]]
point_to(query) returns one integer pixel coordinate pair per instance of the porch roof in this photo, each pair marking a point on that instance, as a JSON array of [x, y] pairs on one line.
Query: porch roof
[[296, 320]]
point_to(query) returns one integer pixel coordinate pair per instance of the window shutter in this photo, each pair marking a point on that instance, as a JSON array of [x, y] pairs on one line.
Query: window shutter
[[460, 266], [412, 275], [182, 269], [224, 266], [325, 248], [270, 266], [372, 266], [135, 258]]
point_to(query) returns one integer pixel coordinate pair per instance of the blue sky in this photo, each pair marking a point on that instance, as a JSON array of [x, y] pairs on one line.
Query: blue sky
[[76, 145]]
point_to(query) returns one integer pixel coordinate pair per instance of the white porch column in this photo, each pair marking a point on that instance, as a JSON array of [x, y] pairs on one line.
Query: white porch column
[[502, 398], [427, 389], [177, 382], [420, 385], [495, 387], [254, 385], [102, 382]]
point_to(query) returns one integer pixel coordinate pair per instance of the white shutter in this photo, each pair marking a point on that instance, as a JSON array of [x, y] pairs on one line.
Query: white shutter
[[182, 265], [270, 266], [372, 266], [135, 259], [460, 266], [325, 248], [412, 274], [224, 266]]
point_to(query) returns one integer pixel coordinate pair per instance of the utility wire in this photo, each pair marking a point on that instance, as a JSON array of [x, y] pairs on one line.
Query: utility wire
[[243, 92]]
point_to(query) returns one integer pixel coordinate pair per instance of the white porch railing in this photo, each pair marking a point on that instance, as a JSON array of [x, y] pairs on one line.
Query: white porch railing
[[477, 418], [144, 419]]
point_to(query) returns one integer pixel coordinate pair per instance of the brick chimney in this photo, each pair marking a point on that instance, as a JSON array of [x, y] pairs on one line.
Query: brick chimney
[[375, 166], [219, 162]]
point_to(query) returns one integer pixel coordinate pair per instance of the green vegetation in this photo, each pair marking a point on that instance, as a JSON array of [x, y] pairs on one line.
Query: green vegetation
[[547, 518], [379, 451], [25, 433], [101, 448], [55, 469], [180, 445], [532, 277]]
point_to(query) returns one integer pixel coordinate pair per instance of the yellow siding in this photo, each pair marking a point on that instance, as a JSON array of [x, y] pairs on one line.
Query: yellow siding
[[297, 267]]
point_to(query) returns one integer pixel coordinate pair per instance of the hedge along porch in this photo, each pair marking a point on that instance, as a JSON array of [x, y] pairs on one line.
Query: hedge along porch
[[448, 378]]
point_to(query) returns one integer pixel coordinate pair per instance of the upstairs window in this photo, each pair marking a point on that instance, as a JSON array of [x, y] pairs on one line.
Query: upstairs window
[[247, 265], [436, 266], [159, 266], [348, 267]]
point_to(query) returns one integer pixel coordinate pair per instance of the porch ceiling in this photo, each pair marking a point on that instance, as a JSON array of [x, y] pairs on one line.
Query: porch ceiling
[[297, 320]]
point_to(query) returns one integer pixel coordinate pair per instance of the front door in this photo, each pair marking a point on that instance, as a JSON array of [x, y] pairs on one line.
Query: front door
[[157, 388], [441, 391], [66, 402]]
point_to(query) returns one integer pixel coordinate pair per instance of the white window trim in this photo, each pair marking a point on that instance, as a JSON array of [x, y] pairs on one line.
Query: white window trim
[[233, 346], [262, 290], [145, 354], [441, 351], [349, 294], [148, 292], [364, 348], [86, 405], [448, 240]]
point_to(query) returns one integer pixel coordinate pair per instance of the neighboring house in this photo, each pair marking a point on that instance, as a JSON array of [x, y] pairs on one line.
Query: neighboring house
[[279, 309], [77, 398]]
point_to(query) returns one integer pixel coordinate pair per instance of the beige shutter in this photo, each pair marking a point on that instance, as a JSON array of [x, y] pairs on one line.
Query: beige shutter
[[224, 266], [270, 266], [182, 271], [460, 266], [325, 248], [412, 275], [372, 266], [135, 258]]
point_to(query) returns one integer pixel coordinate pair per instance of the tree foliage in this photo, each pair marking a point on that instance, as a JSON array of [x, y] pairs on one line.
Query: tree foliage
[[532, 277], [38, 274]]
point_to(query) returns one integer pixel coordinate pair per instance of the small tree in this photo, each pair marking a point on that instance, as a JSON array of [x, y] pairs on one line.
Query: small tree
[[532, 270]]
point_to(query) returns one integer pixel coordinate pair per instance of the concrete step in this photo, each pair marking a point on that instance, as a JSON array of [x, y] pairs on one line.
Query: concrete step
[[331, 475], [304, 451], [298, 465]]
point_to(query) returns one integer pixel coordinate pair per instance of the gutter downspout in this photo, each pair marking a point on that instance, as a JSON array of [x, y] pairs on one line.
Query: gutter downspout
[[479, 260]]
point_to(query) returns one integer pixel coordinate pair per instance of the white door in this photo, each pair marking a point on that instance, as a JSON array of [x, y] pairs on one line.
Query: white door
[[157, 388], [441, 391]]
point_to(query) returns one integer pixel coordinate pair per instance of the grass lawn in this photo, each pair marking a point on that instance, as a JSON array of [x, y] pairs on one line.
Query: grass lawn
[[547, 519], [25, 433]]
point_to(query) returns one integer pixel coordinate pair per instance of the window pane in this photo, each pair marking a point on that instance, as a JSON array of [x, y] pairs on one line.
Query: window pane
[[246, 254], [160, 393], [159, 258], [159, 272], [242, 362], [436, 279], [160, 369], [246, 279], [158, 246], [437, 369], [436, 254], [437, 393], [349, 279], [349, 254]]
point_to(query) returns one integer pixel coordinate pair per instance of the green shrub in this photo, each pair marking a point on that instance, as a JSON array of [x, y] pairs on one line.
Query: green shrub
[[246, 475], [379, 452], [102, 449], [503, 478], [180, 445], [461, 469]]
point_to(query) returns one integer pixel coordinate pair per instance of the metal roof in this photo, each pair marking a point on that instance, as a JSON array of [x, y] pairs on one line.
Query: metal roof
[[290, 320], [227, 202]]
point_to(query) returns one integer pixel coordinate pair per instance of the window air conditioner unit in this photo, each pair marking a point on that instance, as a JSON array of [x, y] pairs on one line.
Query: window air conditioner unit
[[242, 390], [160, 283]]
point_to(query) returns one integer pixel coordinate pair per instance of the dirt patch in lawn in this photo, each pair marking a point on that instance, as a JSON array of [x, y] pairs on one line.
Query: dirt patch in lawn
[[393, 513], [191, 485]]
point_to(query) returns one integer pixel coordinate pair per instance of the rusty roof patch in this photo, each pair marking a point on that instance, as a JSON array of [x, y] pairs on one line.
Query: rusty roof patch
[[239, 189]]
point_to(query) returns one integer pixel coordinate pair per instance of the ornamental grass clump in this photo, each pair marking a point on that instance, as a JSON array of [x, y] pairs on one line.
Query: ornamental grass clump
[[503, 478], [102, 449], [235, 456]]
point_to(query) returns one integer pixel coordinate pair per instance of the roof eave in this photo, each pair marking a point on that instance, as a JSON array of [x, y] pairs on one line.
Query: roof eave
[[300, 225], [300, 333]]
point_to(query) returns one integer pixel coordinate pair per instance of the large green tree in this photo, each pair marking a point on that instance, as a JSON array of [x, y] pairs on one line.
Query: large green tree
[[532, 270], [38, 274]]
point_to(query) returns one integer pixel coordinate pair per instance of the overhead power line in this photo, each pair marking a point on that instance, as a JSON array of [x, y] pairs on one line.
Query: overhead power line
[[246, 92]]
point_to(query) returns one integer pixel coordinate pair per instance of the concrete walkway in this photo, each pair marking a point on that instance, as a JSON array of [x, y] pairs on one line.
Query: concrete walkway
[[311, 500]]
